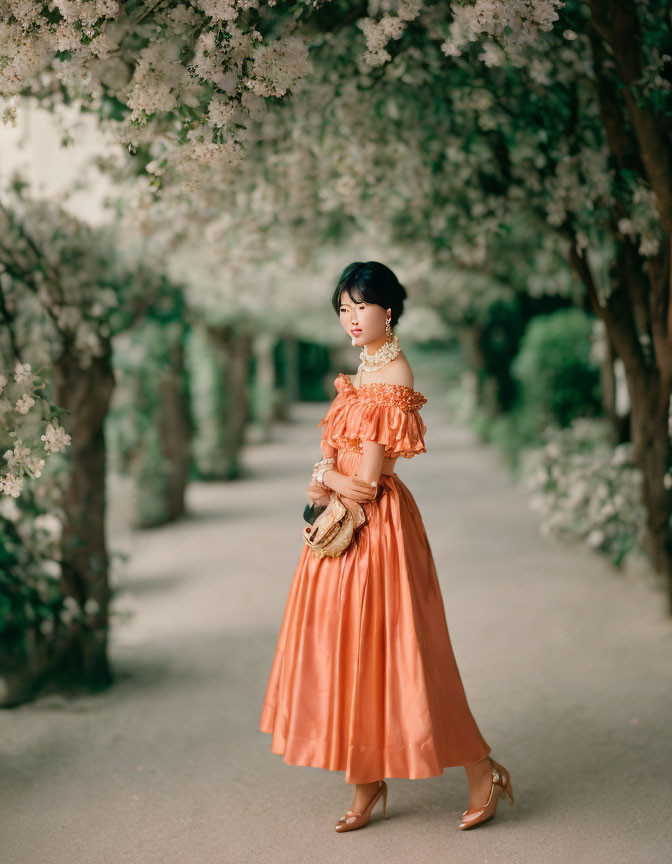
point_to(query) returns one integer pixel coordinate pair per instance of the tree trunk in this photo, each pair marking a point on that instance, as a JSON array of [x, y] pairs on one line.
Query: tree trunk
[[175, 428], [265, 395], [649, 392], [651, 439], [486, 385], [86, 393], [638, 312], [292, 380], [620, 423], [650, 401], [289, 390], [232, 350]]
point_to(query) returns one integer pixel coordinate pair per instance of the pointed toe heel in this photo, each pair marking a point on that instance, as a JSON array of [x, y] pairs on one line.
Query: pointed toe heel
[[351, 820], [500, 784]]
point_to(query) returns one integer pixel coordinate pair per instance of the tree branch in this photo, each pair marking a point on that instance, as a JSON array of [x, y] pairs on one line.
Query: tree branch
[[618, 24]]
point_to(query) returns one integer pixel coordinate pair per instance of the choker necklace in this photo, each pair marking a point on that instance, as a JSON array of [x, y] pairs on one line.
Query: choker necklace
[[386, 352]]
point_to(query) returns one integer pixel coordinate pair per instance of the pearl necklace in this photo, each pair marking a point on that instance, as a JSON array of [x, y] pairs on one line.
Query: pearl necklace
[[386, 352]]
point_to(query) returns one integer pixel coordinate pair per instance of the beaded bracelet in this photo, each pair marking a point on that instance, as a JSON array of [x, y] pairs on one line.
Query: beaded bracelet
[[319, 469]]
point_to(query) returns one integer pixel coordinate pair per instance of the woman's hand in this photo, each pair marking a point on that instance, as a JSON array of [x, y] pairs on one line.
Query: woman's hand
[[350, 486], [317, 493]]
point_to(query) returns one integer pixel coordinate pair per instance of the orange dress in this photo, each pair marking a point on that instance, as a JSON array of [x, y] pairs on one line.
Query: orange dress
[[364, 679]]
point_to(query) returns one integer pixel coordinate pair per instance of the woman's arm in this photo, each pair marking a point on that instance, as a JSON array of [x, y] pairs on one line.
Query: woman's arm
[[362, 485], [318, 494], [371, 463]]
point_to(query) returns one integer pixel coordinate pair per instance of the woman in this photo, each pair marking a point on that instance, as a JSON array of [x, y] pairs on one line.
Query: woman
[[364, 679]]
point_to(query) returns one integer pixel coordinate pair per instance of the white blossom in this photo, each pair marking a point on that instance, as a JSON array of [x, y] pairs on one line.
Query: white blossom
[[17, 456], [514, 23], [23, 374], [11, 484], [55, 437], [25, 403], [278, 66], [157, 79], [34, 465]]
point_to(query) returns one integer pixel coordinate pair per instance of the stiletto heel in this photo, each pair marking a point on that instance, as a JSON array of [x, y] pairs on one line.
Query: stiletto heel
[[352, 820], [500, 784], [508, 788]]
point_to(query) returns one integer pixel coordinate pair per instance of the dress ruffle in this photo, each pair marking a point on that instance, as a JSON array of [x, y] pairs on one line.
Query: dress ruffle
[[380, 412]]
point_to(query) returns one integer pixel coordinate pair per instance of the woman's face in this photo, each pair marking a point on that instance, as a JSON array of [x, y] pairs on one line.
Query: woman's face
[[363, 322]]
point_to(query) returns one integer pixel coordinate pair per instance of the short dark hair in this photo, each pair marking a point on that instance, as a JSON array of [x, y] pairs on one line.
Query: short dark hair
[[371, 282]]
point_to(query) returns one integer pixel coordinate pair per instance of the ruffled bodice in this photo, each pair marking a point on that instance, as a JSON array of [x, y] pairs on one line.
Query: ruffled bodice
[[381, 412]]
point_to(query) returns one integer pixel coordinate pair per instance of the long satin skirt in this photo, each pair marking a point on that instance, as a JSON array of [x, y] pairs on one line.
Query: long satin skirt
[[364, 679]]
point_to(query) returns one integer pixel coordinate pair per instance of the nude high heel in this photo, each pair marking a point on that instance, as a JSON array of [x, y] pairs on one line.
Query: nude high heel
[[353, 820], [500, 784]]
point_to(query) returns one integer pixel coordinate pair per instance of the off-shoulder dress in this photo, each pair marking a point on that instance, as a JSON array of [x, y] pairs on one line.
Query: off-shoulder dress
[[364, 679]]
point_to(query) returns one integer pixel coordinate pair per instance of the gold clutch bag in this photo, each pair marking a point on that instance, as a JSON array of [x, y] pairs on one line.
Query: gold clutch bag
[[332, 532]]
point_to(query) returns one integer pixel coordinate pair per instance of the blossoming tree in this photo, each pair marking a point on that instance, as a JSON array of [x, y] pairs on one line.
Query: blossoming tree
[[442, 130], [65, 290]]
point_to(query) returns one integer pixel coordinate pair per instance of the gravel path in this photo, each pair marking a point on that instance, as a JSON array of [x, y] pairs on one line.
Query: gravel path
[[567, 666]]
